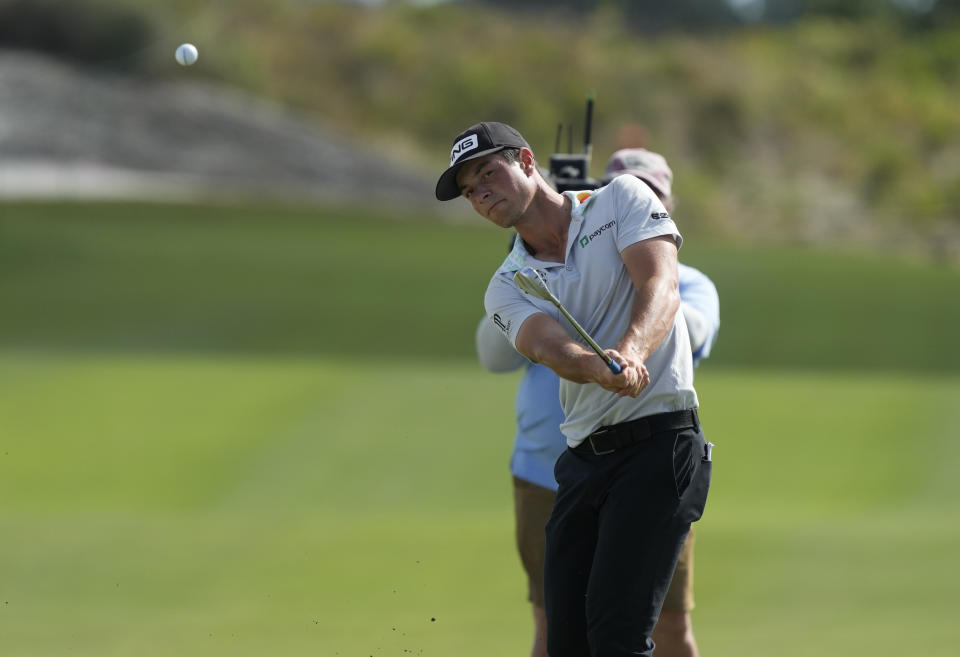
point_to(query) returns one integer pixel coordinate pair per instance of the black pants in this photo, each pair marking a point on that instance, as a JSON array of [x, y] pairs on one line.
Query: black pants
[[613, 540]]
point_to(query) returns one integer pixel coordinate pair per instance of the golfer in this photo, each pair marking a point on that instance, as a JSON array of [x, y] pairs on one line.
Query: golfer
[[637, 468], [538, 442]]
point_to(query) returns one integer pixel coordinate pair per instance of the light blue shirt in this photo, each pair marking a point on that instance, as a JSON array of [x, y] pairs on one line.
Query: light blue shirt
[[699, 292]]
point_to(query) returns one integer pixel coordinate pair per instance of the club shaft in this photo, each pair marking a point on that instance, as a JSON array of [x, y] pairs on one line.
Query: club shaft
[[583, 333], [528, 280]]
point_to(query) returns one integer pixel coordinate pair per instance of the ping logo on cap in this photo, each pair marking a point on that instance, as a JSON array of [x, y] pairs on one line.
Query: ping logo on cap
[[468, 143]]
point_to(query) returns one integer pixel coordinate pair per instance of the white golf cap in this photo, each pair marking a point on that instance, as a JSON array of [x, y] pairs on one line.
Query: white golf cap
[[650, 167]]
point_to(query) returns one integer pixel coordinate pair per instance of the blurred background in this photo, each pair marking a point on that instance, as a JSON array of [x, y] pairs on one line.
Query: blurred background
[[240, 410]]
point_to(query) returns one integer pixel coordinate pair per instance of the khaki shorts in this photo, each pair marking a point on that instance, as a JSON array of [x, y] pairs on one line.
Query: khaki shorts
[[532, 506]]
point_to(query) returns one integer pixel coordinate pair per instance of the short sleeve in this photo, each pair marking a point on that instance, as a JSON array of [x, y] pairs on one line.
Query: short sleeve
[[507, 307], [640, 214], [495, 353]]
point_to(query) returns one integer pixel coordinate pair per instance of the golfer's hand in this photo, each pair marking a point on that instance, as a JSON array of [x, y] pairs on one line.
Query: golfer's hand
[[632, 379]]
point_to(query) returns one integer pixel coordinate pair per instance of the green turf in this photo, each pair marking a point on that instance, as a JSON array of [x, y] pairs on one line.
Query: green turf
[[205, 506], [248, 431], [333, 281]]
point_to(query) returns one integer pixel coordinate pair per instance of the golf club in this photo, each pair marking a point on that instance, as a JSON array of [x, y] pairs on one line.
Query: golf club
[[529, 280]]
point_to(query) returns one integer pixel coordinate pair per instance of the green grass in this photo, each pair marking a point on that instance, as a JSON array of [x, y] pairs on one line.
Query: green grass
[[299, 281], [205, 506], [247, 431], [281, 280]]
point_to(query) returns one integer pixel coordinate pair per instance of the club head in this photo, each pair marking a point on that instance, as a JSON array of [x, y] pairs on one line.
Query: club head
[[529, 280]]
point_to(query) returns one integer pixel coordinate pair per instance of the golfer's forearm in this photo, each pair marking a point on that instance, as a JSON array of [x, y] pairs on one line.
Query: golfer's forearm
[[655, 306], [569, 360], [544, 341]]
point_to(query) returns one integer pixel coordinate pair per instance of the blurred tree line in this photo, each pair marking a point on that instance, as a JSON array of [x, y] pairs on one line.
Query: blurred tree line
[[812, 120], [94, 32], [656, 15], [103, 31]]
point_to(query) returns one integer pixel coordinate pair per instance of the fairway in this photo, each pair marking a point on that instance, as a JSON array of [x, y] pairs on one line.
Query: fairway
[[248, 506], [249, 431]]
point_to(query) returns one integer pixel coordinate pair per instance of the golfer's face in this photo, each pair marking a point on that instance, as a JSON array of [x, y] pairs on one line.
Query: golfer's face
[[494, 188]]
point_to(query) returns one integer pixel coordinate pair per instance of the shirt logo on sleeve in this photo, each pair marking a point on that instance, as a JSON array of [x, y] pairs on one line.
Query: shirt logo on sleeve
[[586, 239], [499, 322], [659, 215]]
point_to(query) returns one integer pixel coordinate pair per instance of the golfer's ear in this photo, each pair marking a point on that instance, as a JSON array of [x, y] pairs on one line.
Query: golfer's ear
[[527, 161]]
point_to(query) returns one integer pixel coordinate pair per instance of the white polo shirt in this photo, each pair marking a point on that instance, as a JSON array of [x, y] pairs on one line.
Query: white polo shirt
[[594, 286]]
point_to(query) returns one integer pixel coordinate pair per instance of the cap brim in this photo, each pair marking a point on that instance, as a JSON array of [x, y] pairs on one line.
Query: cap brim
[[447, 188]]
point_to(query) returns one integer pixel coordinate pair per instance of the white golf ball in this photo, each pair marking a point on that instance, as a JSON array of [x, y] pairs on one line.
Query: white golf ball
[[186, 54]]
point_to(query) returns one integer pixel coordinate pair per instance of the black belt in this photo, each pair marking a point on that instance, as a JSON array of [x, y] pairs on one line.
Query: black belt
[[609, 439]]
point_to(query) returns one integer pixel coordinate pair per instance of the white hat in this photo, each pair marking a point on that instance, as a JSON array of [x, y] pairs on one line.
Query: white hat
[[650, 167]]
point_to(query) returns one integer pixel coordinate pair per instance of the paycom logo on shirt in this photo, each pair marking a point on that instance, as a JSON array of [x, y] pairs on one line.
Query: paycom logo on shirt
[[586, 239]]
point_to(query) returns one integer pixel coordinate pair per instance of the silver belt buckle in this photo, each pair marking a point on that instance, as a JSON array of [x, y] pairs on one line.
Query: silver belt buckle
[[593, 445]]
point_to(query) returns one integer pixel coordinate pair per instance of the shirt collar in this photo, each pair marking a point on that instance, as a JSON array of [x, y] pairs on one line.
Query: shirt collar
[[580, 203], [519, 257]]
